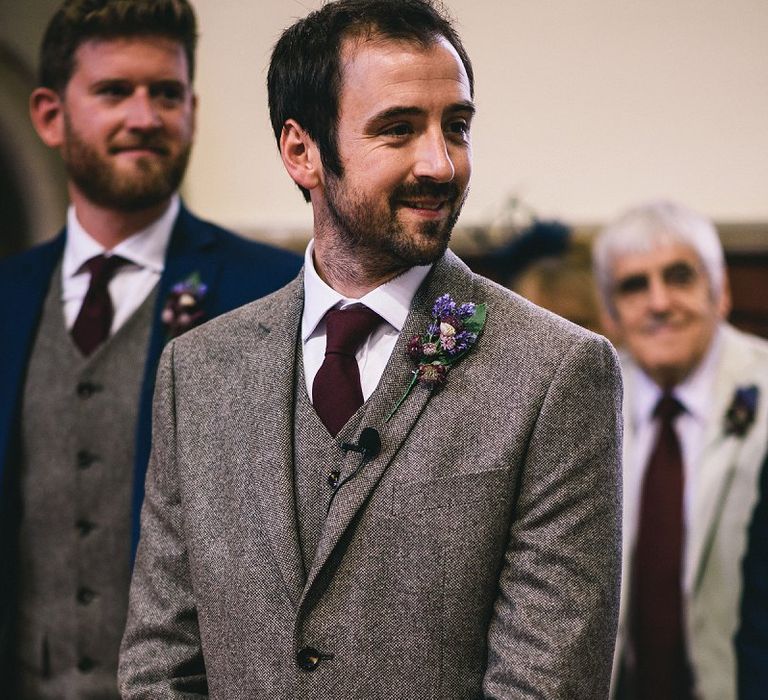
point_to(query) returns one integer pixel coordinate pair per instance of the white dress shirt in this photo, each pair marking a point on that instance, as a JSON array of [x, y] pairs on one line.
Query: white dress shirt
[[131, 283], [695, 394], [391, 301]]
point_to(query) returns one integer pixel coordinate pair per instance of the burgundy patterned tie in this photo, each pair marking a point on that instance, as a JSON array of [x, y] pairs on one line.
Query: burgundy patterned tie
[[93, 322], [336, 392], [661, 671]]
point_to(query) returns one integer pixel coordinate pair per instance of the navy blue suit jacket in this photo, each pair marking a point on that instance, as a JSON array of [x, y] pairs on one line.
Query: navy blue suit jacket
[[235, 271], [752, 637]]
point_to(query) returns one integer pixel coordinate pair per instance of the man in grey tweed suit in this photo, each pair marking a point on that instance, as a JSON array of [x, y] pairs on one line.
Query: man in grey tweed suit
[[462, 543]]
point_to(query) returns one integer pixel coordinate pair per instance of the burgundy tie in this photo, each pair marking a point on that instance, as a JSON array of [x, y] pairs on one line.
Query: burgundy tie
[[662, 671], [336, 392], [94, 321]]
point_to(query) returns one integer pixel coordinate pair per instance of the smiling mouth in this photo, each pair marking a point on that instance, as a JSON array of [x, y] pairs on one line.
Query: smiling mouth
[[141, 149], [663, 328], [426, 199], [427, 206]]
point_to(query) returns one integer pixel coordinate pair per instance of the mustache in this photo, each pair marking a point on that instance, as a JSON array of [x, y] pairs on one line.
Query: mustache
[[436, 190], [150, 143], [661, 321]]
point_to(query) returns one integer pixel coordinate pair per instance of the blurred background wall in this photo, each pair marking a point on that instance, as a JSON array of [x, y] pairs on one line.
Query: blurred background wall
[[32, 191], [583, 108]]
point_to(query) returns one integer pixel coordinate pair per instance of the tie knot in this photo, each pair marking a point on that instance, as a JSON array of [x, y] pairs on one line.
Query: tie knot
[[668, 408], [346, 330], [102, 268]]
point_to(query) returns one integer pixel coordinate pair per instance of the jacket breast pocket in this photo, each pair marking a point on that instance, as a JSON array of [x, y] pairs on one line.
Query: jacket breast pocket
[[416, 499]]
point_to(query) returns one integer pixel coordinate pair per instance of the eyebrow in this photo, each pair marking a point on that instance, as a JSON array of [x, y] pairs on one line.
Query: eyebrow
[[403, 111], [639, 280], [108, 82]]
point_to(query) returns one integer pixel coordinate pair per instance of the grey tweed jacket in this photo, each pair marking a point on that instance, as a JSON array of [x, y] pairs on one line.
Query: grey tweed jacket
[[477, 556]]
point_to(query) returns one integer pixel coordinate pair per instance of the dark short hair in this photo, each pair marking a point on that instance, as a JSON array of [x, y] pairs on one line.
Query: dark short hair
[[304, 79], [77, 21]]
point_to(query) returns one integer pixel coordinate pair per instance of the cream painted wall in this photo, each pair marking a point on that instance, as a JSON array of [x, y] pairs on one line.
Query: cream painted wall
[[584, 107]]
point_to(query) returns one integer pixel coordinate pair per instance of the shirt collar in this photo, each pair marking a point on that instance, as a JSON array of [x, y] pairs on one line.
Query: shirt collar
[[145, 248], [695, 393], [391, 300]]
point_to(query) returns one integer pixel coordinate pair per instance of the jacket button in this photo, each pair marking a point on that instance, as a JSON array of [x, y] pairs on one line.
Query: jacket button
[[87, 389], [85, 595], [308, 659], [333, 479]]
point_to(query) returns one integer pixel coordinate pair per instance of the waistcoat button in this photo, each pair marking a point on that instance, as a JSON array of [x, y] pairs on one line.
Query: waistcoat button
[[84, 526], [87, 389], [308, 659], [85, 459], [86, 664], [85, 595]]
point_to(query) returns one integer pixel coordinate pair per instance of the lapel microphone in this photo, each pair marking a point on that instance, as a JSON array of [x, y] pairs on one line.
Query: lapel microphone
[[368, 445]]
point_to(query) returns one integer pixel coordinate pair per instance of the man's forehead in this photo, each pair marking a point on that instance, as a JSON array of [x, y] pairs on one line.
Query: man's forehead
[[654, 259], [97, 55], [363, 58], [354, 42]]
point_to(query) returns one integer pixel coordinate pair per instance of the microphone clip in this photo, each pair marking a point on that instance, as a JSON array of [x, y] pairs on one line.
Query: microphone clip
[[368, 444]]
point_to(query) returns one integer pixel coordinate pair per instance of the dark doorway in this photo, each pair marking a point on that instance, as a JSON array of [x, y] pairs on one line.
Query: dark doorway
[[14, 221]]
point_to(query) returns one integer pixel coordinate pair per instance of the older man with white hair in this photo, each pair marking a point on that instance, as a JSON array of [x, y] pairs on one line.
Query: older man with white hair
[[695, 436]]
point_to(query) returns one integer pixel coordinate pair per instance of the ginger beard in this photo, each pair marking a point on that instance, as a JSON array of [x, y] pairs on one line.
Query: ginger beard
[[150, 181]]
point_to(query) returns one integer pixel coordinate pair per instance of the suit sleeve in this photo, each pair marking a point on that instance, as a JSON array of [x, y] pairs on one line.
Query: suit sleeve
[[553, 628], [161, 655], [752, 637]]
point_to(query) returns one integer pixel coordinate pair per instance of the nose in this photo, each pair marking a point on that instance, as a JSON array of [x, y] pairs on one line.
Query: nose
[[658, 295], [142, 113], [432, 158]]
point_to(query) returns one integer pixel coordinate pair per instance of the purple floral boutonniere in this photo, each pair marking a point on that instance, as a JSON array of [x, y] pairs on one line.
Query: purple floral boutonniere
[[453, 331], [741, 412], [184, 306]]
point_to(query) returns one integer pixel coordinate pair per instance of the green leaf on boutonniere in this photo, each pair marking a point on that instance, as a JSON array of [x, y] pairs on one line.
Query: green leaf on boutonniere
[[474, 324]]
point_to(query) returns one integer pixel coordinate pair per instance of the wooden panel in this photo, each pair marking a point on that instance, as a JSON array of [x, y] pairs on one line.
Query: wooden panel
[[748, 274]]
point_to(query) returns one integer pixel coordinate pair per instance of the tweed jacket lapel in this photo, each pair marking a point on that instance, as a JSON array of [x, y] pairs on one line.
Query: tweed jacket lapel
[[719, 461], [449, 276], [263, 419]]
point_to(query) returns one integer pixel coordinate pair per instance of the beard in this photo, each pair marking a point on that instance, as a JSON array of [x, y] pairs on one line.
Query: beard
[[361, 226], [150, 183]]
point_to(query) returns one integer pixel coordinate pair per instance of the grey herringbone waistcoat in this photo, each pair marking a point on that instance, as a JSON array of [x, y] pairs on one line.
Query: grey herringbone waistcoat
[[317, 466], [76, 476]]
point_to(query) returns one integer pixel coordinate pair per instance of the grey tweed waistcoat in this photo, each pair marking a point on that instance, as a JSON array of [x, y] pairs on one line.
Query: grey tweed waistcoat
[[317, 466], [78, 431]]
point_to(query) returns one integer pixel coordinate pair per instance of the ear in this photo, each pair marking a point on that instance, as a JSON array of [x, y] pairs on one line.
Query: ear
[[724, 303], [609, 324], [46, 110], [300, 155], [195, 102]]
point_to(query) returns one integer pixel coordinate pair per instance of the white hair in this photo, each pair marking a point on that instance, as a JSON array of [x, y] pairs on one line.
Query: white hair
[[653, 225]]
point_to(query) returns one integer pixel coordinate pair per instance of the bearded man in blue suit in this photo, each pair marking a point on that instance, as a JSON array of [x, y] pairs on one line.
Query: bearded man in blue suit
[[82, 323]]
